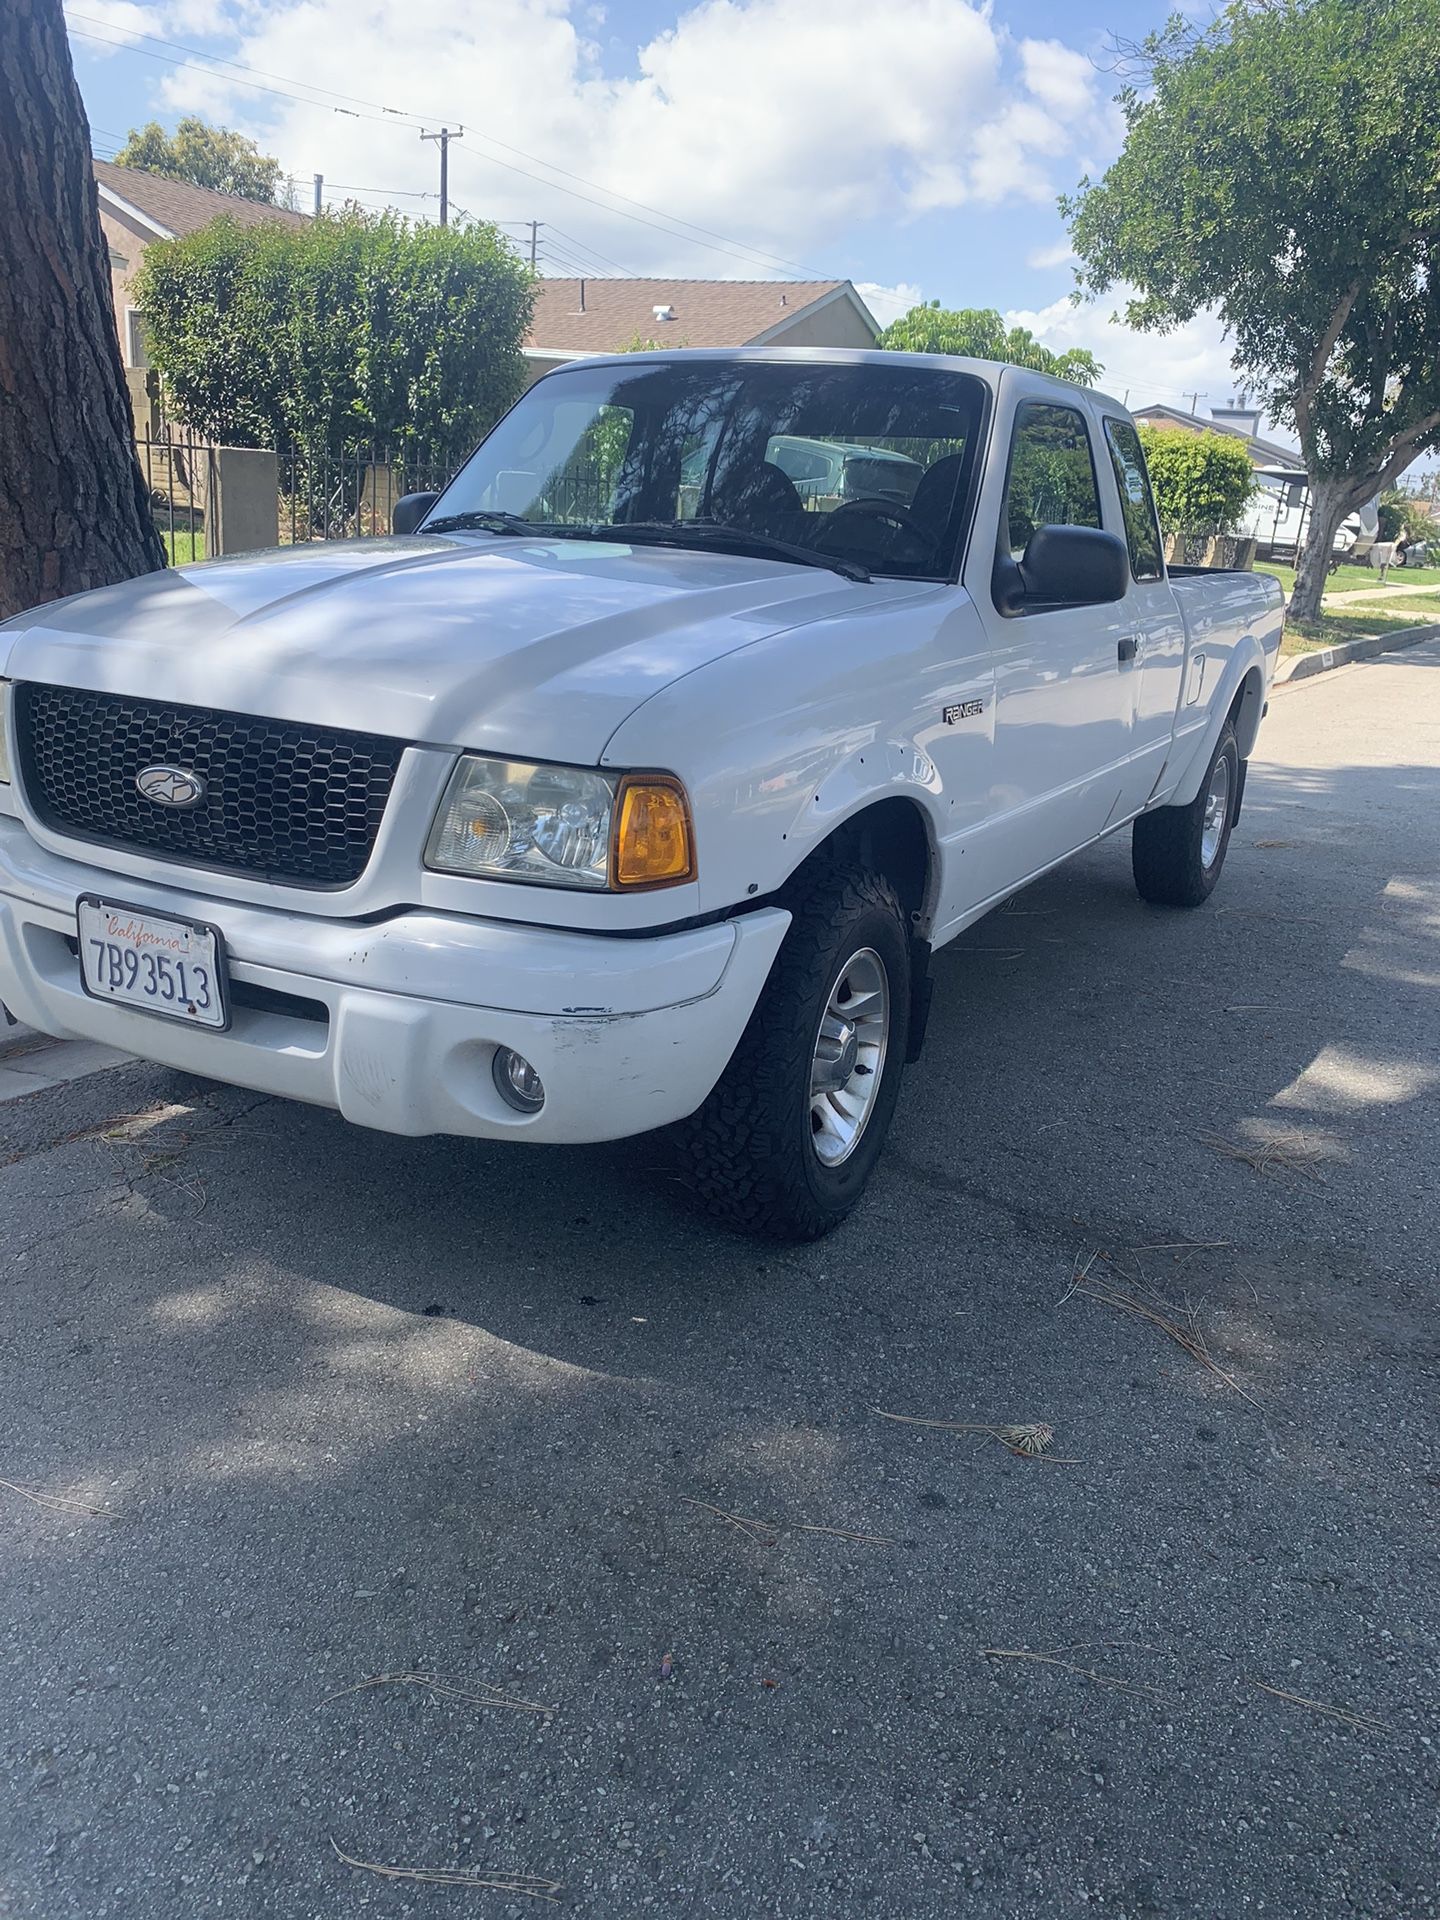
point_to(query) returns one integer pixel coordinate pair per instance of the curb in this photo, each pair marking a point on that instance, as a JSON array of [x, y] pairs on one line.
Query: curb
[[32, 1062], [1302, 666], [17, 1038]]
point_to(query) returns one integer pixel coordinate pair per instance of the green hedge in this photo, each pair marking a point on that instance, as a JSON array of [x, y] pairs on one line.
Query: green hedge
[[1202, 481]]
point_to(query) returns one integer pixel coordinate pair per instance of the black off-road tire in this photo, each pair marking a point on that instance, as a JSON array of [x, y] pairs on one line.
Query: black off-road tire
[[1166, 854], [747, 1154]]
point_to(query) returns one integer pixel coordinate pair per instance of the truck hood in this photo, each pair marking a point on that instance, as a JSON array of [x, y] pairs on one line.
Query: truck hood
[[529, 647]]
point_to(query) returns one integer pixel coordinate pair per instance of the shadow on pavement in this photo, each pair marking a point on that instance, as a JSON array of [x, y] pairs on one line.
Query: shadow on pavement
[[368, 1406]]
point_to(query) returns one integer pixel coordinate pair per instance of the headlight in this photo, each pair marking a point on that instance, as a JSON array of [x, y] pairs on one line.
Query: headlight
[[562, 826], [4, 733]]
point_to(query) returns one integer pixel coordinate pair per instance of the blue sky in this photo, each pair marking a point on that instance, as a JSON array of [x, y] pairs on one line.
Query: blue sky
[[915, 146]]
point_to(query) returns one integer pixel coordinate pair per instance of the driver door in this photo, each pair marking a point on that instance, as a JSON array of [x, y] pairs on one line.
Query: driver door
[[1062, 699]]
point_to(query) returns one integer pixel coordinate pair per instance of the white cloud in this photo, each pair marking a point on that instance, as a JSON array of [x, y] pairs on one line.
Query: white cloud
[[889, 303], [112, 23], [1053, 111], [1059, 77], [1188, 367], [762, 119], [1044, 258]]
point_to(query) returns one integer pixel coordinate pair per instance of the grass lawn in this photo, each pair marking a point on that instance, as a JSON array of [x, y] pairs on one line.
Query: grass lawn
[[1419, 605], [1356, 579], [183, 547], [1333, 628]]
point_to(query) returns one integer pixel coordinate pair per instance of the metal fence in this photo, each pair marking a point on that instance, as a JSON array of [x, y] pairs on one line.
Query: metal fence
[[179, 472], [320, 493], [349, 493]]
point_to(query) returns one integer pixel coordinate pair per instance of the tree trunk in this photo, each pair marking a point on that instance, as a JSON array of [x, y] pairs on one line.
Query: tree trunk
[[74, 510], [1329, 501]]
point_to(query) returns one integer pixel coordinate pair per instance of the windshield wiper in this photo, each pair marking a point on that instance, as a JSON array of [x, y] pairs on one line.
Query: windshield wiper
[[480, 520], [700, 535], [703, 534]]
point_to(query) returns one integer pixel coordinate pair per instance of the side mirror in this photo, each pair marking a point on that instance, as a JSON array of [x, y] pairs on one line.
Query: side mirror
[[1068, 567], [410, 510]]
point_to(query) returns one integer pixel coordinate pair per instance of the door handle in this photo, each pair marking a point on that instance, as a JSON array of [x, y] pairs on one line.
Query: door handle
[[1129, 647]]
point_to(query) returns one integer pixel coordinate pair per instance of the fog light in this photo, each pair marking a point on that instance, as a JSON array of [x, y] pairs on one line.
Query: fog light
[[517, 1082]]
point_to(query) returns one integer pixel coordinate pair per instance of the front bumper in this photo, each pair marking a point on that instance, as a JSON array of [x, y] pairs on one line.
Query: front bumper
[[395, 1023]]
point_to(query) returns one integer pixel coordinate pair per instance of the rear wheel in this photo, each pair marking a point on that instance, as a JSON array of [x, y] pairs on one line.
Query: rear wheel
[[789, 1137], [1177, 852]]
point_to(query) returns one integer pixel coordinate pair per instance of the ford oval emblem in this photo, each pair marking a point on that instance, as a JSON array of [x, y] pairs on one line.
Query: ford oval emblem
[[171, 786]]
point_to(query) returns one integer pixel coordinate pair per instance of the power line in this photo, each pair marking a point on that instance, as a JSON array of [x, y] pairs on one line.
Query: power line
[[570, 268], [573, 259], [256, 86], [382, 114], [584, 247], [394, 193], [396, 113], [750, 259], [242, 66]]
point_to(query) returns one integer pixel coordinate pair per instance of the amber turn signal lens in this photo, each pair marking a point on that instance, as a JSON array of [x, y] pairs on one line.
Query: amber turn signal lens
[[654, 843]]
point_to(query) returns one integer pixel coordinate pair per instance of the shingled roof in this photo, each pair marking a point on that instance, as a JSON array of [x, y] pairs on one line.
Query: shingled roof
[[175, 207], [603, 316]]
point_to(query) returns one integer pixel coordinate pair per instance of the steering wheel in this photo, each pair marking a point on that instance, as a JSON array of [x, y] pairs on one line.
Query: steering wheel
[[887, 510]]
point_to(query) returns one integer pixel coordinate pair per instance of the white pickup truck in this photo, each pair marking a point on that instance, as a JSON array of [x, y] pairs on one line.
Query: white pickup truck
[[627, 785]]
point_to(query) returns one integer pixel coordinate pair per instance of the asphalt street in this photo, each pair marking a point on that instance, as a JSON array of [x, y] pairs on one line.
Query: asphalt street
[[355, 1407]]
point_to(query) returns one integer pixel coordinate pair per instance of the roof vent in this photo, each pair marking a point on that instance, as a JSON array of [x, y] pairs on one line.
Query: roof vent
[[663, 313], [1241, 414]]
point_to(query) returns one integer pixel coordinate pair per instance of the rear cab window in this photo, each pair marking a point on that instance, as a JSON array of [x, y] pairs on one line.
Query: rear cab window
[[1137, 502]]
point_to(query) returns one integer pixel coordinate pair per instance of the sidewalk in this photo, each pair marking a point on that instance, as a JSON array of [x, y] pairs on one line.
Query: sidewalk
[[1376, 595]]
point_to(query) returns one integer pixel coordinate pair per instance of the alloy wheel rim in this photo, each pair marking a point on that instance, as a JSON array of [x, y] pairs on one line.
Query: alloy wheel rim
[[1217, 811], [847, 1063]]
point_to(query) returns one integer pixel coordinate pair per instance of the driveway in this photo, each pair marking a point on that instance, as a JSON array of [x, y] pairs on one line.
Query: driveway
[[354, 1407]]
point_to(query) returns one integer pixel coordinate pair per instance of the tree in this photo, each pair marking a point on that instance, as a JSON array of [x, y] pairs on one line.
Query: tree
[[981, 334], [353, 328], [206, 156], [1202, 481], [74, 511], [1282, 165]]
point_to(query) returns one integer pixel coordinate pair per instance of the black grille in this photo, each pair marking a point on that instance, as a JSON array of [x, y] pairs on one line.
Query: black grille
[[301, 805]]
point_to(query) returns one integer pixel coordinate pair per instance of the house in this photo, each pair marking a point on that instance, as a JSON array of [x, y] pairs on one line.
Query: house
[[1276, 516], [1238, 420], [575, 318], [137, 208]]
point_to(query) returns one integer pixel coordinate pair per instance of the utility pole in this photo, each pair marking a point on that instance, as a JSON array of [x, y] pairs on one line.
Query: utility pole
[[443, 138], [319, 194], [535, 226], [1195, 402]]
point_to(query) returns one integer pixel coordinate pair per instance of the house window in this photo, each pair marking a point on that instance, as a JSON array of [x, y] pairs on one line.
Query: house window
[[137, 345]]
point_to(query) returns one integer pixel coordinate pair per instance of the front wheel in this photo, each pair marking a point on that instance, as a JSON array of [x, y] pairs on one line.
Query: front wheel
[[788, 1139], [1176, 853]]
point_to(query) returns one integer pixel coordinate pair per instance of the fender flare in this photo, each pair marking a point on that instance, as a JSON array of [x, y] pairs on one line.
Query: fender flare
[[845, 794], [1241, 691]]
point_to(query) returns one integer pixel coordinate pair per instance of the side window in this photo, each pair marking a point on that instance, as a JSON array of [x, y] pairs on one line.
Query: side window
[[1137, 503], [1052, 473]]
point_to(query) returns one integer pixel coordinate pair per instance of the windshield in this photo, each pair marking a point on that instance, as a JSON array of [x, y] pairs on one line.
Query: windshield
[[867, 465]]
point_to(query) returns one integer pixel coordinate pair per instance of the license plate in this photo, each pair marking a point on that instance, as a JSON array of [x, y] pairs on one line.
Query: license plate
[[175, 968]]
